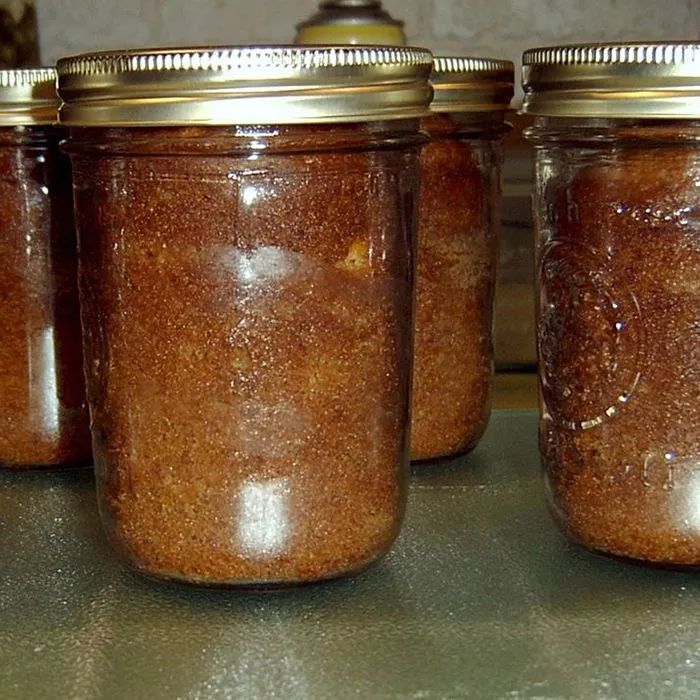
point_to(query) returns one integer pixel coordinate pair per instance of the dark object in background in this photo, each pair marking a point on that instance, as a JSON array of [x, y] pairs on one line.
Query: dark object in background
[[514, 304], [19, 46]]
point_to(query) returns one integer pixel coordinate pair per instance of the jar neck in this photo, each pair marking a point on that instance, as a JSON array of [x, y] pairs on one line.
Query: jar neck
[[469, 125], [596, 132], [244, 140]]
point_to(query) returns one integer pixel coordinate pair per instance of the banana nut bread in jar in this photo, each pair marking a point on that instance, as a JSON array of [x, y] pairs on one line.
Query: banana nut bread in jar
[[43, 413], [245, 219], [617, 206], [458, 224]]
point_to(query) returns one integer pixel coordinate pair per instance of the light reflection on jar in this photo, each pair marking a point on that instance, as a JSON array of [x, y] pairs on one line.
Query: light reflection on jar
[[262, 518]]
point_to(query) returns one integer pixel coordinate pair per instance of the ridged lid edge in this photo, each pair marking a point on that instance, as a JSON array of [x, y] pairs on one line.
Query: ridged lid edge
[[28, 96], [643, 80], [244, 85], [471, 84], [226, 59], [637, 53], [471, 65]]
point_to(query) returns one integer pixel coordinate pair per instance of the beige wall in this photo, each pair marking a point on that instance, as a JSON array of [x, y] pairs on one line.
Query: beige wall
[[497, 27]]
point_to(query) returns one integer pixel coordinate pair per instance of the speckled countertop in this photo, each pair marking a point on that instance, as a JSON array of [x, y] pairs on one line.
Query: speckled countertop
[[481, 598]]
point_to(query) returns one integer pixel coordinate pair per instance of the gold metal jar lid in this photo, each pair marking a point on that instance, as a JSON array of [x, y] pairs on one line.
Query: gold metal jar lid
[[244, 85], [467, 84], [631, 80], [28, 96]]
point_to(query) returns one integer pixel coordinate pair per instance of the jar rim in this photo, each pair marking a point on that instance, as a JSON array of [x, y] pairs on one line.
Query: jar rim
[[28, 96], [281, 84], [648, 80], [471, 84]]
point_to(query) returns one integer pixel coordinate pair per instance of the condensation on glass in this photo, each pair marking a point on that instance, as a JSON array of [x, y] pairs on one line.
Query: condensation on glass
[[457, 255], [43, 411], [247, 298], [617, 210]]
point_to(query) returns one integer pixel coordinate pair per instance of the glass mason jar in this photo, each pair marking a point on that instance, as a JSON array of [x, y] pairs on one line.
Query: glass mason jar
[[458, 225], [617, 211], [247, 290], [43, 412]]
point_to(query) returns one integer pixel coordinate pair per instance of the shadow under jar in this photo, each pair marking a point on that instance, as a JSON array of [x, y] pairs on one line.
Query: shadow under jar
[[457, 257], [43, 412], [617, 208], [247, 298]]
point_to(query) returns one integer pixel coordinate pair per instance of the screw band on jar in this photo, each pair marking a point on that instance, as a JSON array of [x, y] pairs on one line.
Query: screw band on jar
[[630, 80], [469, 84], [244, 85], [28, 96]]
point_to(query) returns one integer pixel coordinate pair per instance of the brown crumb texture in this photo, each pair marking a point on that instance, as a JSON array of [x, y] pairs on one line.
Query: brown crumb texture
[[247, 338], [619, 343], [456, 269], [43, 412]]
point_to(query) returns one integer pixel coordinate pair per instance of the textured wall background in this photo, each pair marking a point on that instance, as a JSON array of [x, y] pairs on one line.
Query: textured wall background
[[496, 28]]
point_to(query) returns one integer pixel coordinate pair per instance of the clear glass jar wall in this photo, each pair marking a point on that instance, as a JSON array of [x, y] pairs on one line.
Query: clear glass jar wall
[[43, 412], [618, 223], [247, 299], [455, 280]]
